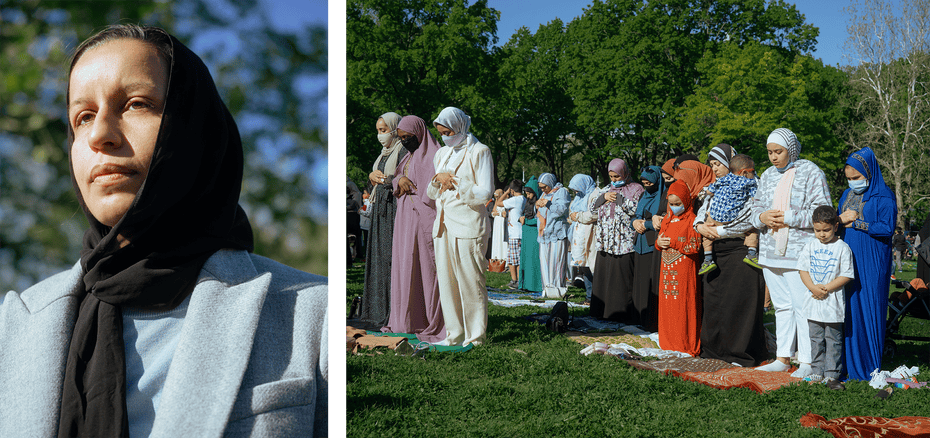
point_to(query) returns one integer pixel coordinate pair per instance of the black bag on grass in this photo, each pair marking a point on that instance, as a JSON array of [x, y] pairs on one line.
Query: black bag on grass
[[558, 318]]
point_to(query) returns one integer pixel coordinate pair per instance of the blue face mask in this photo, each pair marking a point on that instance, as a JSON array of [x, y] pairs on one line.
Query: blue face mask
[[858, 185], [618, 184], [783, 169], [677, 209]]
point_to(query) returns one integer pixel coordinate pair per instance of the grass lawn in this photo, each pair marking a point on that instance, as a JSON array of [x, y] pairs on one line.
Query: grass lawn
[[527, 381]]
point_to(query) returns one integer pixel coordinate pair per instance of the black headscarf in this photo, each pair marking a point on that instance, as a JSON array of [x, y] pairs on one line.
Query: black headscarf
[[186, 210]]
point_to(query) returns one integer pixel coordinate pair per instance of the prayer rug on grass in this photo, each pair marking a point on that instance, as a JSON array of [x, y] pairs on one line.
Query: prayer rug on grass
[[719, 374], [870, 426], [684, 364], [418, 344], [612, 338], [498, 298]]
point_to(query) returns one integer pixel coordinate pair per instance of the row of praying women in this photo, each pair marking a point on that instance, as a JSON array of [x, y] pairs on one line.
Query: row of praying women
[[429, 230], [649, 269], [686, 251]]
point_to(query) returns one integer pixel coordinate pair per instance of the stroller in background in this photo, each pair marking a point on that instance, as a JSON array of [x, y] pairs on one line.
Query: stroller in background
[[914, 301]]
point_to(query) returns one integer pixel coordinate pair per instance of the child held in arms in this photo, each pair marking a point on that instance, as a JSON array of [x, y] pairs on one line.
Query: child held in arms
[[731, 191], [825, 264]]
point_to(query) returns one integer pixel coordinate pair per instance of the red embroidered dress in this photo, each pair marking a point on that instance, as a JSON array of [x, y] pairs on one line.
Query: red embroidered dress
[[679, 293]]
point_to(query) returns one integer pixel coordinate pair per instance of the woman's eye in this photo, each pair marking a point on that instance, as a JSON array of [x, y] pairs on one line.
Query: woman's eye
[[84, 119], [137, 105]]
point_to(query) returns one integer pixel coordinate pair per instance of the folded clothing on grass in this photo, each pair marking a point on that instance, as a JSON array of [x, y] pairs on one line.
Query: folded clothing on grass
[[870, 426]]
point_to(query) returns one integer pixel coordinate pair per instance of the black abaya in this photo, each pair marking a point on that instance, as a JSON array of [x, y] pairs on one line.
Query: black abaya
[[732, 323]]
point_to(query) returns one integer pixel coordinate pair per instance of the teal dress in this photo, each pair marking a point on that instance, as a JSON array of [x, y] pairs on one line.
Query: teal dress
[[530, 272]]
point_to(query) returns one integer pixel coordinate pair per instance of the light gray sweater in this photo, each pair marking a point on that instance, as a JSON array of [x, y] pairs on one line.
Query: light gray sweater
[[251, 359]]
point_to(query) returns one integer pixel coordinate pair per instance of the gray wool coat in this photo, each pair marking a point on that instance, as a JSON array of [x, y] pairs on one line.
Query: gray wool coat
[[251, 360]]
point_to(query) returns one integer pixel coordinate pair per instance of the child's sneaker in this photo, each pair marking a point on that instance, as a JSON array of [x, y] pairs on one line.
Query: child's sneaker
[[813, 378], [707, 267], [752, 261]]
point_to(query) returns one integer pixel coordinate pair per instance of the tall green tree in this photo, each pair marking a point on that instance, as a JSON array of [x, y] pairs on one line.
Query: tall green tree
[[748, 90], [633, 63], [413, 57]]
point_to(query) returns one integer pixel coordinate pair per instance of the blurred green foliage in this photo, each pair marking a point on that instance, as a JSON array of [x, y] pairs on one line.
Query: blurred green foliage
[[273, 82]]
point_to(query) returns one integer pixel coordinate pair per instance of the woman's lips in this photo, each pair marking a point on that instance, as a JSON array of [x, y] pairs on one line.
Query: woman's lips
[[110, 173]]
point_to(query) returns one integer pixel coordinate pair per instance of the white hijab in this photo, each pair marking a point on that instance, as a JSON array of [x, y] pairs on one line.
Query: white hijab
[[456, 120]]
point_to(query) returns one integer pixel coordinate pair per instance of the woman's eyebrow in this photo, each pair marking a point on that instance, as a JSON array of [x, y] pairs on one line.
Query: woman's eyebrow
[[128, 88]]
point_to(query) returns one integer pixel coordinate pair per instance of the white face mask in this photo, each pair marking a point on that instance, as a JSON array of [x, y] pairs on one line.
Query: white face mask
[[385, 138], [453, 140]]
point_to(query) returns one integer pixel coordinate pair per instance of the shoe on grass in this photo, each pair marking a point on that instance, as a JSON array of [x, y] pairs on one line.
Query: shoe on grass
[[752, 261], [834, 384], [814, 378], [512, 285], [707, 267]]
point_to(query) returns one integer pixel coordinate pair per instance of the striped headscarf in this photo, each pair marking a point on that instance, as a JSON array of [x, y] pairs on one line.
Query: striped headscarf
[[786, 139], [722, 153]]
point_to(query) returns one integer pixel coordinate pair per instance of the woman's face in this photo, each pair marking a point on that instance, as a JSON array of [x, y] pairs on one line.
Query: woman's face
[[719, 169], [382, 127], [778, 154], [852, 174], [645, 182], [117, 94], [668, 178], [403, 135], [674, 201], [614, 176], [544, 188], [444, 130]]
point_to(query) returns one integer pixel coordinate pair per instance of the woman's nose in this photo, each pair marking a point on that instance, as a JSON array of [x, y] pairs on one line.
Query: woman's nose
[[105, 132]]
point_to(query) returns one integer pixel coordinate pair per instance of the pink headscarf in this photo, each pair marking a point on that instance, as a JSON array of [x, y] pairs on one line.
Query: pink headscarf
[[630, 190], [418, 165]]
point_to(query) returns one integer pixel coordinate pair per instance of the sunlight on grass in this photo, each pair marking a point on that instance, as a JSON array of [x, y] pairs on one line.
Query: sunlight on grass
[[527, 381]]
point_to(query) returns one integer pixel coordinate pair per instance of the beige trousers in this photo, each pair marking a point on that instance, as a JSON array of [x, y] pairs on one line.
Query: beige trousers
[[460, 267]]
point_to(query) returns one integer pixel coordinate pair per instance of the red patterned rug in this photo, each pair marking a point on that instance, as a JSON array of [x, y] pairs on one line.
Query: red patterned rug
[[870, 426], [719, 374], [749, 378]]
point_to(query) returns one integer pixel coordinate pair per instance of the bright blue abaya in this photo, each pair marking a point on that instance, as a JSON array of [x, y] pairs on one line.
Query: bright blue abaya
[[870, 240]]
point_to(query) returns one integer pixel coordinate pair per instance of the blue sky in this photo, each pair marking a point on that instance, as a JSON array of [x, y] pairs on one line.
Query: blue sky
[[827, 15]]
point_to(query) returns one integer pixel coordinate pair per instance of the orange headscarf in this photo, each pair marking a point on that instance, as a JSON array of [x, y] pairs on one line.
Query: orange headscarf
[[696, 175], [669, 167], [683, 226]]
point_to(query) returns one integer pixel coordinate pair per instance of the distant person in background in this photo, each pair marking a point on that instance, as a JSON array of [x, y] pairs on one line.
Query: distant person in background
[[923, 265], [513, 207], [461, 188], [415, 306], [900, 245], [583, 217], [364, 222], [869, 211], [530, 274], [552, 208], [376, 298], [354, 203], [499, 232]]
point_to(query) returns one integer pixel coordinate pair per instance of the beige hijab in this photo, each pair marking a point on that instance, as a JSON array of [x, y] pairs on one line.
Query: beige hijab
[[391, 119]]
